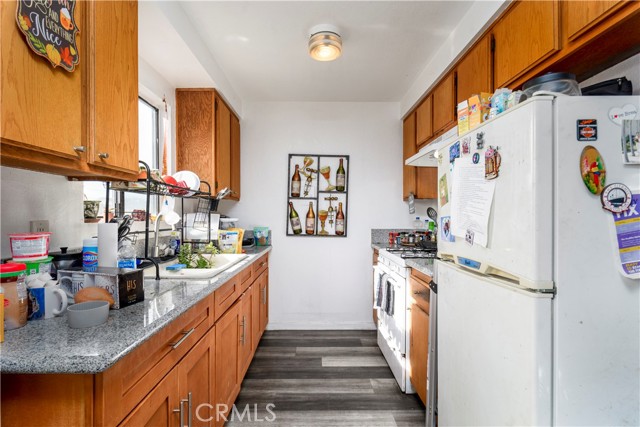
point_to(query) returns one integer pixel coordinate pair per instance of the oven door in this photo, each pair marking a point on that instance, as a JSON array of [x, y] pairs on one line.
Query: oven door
[[392, 330], [392, 323]]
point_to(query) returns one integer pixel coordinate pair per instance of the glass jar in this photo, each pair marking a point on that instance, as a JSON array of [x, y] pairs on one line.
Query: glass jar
[[12, 278]]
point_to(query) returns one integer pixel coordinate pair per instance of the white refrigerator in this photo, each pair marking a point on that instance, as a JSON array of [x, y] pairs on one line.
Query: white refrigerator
[[538, 303]]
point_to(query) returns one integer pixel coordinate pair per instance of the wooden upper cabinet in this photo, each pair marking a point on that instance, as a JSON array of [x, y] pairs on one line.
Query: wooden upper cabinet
[[116, 91], [423, 122], [408, 150], [40, 106], [582, 15], [208, 138], [524, 36], [426, 182], [420, 181], [444, 104], [235, 158], [223, 146], [474, 71], [59, 122]]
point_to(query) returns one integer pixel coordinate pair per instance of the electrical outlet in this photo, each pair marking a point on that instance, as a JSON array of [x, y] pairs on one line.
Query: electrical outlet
[[39, 226]]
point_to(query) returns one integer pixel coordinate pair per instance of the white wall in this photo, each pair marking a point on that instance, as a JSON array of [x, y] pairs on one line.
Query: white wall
[[479, 16], [315, 282], [28, 196]]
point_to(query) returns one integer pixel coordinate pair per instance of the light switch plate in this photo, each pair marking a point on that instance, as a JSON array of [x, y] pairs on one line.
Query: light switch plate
[[39, 225]]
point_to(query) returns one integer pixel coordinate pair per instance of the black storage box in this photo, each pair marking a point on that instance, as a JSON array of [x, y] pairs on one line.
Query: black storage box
[[619, 86]]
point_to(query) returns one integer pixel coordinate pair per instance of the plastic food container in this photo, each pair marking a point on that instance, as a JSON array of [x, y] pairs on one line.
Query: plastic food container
[[12, 278], [39, 266], [29, 246], [553, 82]]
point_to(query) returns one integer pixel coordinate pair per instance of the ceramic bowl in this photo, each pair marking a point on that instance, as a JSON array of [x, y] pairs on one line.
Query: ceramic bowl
[[88, 314]]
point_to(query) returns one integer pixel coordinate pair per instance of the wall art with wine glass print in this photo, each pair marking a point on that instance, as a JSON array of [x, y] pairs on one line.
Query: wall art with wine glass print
[[318, 186]]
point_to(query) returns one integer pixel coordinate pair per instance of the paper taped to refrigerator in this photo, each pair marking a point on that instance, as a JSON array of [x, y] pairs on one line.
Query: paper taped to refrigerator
[[471, 198], [628, 236]]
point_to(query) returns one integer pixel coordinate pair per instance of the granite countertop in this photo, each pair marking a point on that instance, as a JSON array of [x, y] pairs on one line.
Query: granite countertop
[[425, 266], [49, 346]]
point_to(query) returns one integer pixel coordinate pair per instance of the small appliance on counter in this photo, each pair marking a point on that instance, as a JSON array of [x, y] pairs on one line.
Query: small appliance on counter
[[65, 259]]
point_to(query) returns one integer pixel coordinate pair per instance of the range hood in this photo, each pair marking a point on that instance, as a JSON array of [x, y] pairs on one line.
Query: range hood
[[428, 155]]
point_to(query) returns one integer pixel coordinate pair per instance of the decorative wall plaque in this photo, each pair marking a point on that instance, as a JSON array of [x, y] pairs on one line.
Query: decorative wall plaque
[[317, 195], [50, 30]]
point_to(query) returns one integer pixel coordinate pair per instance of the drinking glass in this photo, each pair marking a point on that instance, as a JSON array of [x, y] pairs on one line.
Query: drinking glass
[[325, 171], [322, 215]]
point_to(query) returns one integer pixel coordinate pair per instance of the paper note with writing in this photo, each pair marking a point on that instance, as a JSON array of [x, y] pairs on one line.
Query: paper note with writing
[[471, 198]]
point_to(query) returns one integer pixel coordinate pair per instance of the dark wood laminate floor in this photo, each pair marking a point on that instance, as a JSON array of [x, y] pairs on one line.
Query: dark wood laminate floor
[[323, 378]]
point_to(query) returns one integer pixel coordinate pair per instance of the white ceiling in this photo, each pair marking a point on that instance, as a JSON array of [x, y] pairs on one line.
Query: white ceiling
[[261, 46]]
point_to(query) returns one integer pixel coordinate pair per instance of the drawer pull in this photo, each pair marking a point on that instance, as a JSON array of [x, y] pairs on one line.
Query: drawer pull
[[263, 263], [185, 335], [79, 149], [103, 155]]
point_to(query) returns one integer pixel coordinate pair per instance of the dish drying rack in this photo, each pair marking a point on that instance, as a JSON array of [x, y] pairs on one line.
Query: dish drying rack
[[149, 186]]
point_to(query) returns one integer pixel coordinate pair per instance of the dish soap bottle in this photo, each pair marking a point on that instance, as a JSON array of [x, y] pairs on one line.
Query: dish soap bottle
[[127, 255], [174, 241]]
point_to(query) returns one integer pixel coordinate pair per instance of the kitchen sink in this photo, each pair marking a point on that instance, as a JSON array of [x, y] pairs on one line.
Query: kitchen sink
[[221, 262]]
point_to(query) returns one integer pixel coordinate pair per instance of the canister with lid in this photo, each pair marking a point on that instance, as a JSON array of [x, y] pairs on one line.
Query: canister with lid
[[12, 279]]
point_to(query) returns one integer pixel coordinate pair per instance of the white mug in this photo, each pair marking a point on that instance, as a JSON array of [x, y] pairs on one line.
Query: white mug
[[47, 302]]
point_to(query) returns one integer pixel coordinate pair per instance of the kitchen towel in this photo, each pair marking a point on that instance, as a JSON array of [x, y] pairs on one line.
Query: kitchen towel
[[379, 289], [108, 245], [390, 299]]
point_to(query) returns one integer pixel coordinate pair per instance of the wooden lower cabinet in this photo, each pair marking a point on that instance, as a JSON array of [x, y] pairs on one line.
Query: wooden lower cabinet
[[157, 409], [176, 400], [245, 351], [227, 357], [419, 335], [256, 332], [196, 382], [191, 369], [264, 301]]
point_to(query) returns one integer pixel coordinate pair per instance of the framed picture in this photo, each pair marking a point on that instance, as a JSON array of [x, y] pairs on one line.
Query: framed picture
[[318, 186]]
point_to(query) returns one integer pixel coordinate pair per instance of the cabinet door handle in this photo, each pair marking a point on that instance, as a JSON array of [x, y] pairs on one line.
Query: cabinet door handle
[[79, 149], [244, 325], [189, 406], [103, 155], [181, 411], [185, 335], [264, 296]]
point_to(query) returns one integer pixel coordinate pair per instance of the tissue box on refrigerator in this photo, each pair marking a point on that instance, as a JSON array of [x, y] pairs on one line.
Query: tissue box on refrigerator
[[125, 285]]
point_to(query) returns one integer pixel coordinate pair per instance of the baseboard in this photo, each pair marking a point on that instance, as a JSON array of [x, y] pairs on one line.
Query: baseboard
[[324, 325]]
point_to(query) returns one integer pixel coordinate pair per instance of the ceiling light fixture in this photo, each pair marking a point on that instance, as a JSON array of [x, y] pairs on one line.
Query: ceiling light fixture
[[325, 43]]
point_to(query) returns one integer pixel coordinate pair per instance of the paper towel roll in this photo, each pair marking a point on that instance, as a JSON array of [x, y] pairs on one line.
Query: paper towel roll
[[108, 245]]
